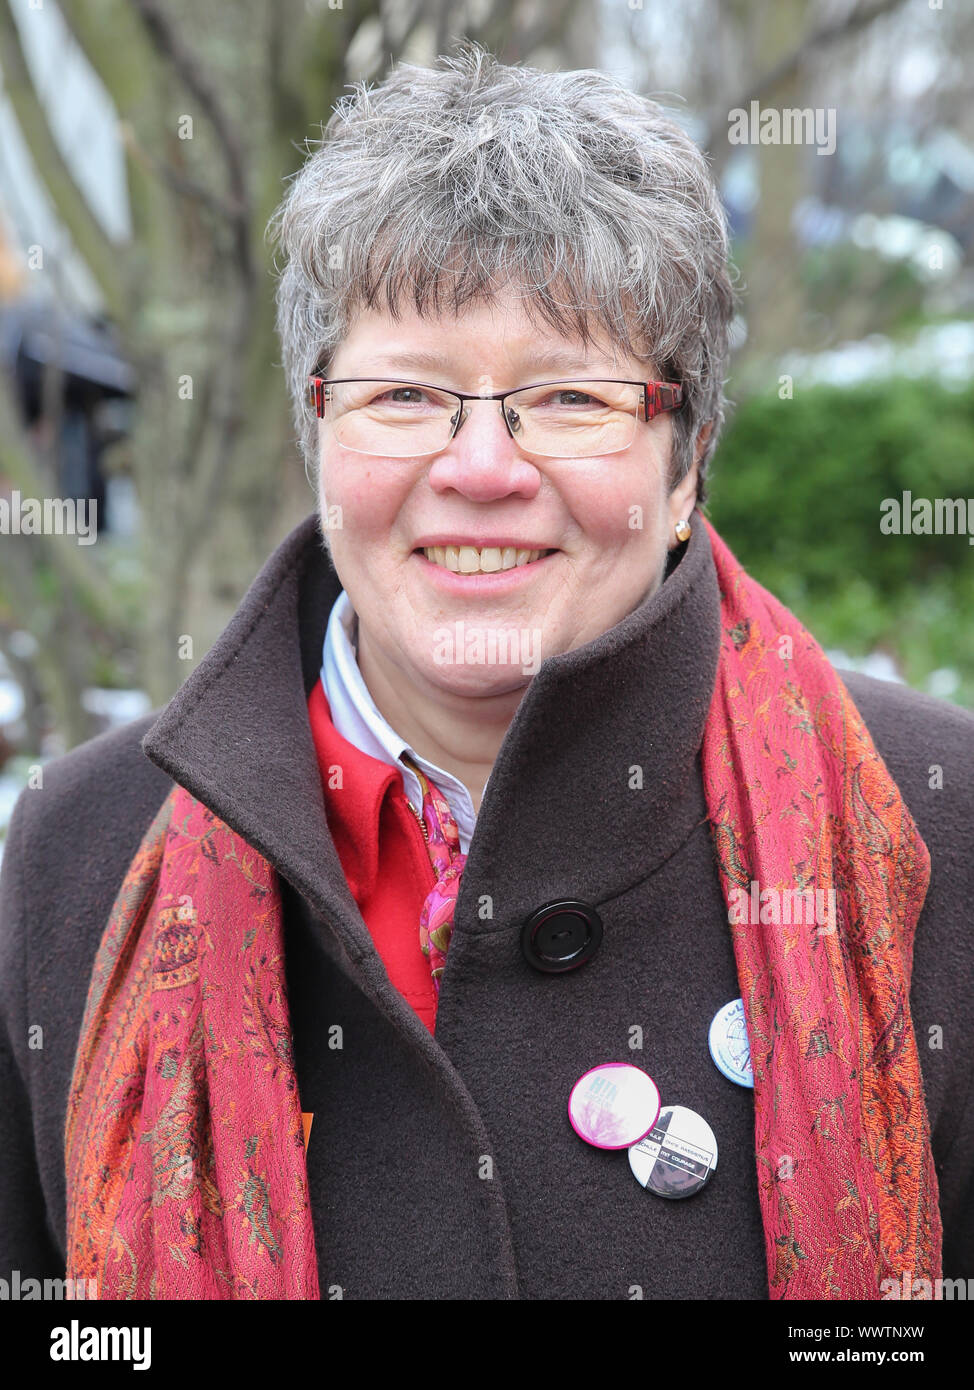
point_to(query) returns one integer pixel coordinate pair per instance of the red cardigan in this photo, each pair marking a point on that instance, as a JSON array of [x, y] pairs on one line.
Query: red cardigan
[[382, 850]]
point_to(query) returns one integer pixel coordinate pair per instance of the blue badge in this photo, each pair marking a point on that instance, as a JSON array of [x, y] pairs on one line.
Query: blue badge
[[729, 1045]]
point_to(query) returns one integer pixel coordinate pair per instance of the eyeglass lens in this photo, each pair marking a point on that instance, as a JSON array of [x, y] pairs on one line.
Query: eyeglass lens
[[564, 419]]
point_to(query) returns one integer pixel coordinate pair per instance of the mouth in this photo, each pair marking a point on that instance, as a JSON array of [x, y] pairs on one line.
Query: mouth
[[471, 559]]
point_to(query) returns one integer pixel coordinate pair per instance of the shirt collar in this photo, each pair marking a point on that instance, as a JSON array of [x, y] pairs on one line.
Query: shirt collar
[[357, 719]]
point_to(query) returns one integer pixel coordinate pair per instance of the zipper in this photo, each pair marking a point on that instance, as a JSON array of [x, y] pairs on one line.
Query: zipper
[[422, 780], [422, 823]]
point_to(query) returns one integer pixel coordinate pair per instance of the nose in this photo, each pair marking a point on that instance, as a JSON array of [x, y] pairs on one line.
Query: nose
[[482, 461]]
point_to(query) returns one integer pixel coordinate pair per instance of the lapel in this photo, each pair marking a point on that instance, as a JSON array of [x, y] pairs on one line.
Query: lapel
[[595, 785]]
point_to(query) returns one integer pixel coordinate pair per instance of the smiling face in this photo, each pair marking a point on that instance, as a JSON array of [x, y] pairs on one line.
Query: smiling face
[[607, 522]]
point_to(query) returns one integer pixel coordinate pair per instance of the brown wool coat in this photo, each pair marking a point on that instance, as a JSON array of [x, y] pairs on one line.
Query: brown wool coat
[[403, 1120]]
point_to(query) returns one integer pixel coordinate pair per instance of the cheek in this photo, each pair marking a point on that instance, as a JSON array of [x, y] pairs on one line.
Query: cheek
[[368, 493], [619, 504]]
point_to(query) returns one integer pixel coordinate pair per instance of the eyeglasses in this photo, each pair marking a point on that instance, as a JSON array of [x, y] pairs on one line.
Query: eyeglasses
[[583, 418]]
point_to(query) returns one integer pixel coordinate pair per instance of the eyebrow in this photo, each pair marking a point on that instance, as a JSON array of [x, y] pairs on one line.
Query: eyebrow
[[555, 359]]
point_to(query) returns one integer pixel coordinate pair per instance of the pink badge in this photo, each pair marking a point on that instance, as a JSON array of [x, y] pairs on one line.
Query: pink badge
[[613, 1105]]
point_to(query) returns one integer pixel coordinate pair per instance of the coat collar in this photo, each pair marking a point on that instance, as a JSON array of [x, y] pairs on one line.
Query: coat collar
[[594, 786]]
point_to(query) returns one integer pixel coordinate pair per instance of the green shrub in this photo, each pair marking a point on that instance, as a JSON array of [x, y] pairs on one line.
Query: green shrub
[[796, 492]]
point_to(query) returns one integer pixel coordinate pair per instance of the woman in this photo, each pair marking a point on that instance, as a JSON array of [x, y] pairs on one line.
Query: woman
[[517, 775]]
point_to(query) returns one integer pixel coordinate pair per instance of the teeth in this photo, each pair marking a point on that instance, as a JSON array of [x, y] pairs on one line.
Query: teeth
[[467, 559], [470, 559]]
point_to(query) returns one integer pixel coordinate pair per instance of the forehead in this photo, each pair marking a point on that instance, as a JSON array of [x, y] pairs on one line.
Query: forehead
[[491, 338]]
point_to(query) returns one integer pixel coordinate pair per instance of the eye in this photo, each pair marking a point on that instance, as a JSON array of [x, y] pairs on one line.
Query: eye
[[569, 397], [396, 395]]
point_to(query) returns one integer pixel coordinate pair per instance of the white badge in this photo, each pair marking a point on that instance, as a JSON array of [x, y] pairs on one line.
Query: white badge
[[677, 1156]]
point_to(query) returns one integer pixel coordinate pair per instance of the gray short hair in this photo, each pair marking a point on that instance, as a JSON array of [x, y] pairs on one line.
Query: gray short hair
[[588, 198]]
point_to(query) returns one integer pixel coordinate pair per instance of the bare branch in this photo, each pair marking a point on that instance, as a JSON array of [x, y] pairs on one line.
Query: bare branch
[[170, 46], [834, 31], [179, 182]]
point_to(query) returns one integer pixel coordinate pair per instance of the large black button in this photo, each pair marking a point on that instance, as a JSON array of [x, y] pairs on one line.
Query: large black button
[[561, 936]]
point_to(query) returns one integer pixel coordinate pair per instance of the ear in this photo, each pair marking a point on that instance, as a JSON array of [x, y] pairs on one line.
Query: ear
[[703, 434], [683, 498]]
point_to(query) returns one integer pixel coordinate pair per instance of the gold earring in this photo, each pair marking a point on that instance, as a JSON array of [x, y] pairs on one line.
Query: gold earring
[[682, 529]]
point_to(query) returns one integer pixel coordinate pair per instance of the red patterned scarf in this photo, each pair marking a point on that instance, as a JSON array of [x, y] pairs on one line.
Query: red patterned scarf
[[184, 1150], [800, 801]]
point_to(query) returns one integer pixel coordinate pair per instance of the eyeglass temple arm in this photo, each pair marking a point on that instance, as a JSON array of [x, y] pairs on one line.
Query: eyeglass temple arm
[[660, 396]]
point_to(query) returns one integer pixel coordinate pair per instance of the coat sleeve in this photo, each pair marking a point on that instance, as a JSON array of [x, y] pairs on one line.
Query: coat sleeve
[[956, 1177], [27, 1241], [918, 736]]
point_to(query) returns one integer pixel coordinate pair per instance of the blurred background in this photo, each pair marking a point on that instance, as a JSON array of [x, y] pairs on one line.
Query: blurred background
[[145, 143]]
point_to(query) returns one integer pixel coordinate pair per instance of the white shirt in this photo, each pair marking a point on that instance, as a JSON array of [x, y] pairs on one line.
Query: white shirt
[[355, 716]]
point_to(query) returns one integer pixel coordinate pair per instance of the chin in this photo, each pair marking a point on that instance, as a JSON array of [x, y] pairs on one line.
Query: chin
[[476, 680]]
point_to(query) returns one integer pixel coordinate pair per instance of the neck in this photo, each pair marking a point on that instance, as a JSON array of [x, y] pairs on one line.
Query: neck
[[460, 734]]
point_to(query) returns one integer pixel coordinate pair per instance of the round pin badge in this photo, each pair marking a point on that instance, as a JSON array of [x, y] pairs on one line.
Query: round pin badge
[[613, 1105], [729, 1045], [678, 1155]]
